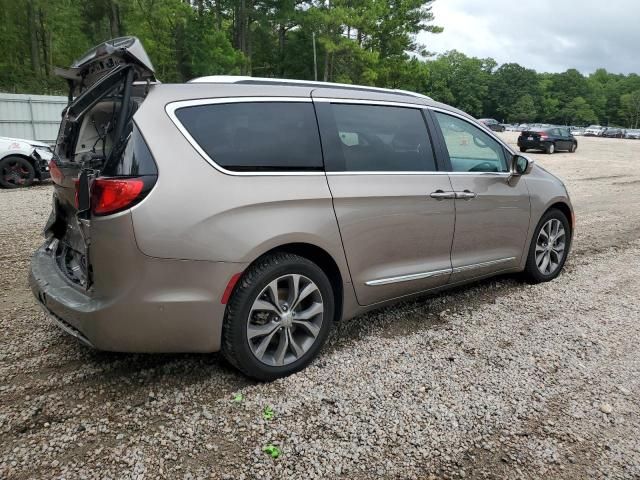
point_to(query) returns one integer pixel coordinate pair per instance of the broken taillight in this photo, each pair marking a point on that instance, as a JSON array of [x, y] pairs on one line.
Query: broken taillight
[[56, 174], [111, 195]]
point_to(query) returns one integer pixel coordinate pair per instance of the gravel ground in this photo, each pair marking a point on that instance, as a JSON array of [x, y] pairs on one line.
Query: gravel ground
[[496, 380]]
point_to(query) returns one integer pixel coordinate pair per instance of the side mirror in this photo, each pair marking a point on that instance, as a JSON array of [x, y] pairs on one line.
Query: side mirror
[[521, 165]]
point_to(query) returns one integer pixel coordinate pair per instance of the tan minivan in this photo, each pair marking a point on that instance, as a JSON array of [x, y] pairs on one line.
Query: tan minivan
[[247, 215]]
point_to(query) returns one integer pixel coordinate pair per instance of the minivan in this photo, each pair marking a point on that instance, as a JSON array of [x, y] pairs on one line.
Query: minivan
[[246, 215]]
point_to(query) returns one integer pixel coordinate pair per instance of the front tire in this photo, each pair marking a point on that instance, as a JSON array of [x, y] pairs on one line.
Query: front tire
[[278, 318], [16, 172], [573, 148], [549, 247]]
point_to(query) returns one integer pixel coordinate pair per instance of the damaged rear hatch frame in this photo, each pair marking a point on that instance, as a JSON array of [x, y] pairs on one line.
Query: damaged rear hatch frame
[[106, 71]]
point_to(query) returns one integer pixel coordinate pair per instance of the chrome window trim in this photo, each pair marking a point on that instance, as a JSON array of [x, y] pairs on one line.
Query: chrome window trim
[[420, 172], [171, 108], [437, 273], [477, 124]]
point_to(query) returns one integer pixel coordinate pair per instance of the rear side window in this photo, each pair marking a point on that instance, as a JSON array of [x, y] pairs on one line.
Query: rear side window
[[134, 161], [372, 138], [256, 136]]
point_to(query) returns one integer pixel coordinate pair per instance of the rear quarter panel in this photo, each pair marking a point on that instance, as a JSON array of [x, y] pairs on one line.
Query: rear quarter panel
[[196, 212]]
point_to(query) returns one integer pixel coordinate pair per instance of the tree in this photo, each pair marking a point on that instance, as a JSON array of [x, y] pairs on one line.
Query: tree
[[508, 85], [369, 42], [579, 112], [524, 110], [630, 108], [460, 81]]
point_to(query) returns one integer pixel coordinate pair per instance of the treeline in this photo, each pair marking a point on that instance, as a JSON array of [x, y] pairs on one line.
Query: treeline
[[370, 42], [513, 93]]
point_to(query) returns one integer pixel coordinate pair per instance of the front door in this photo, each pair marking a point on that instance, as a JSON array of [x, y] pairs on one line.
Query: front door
[[394, 209], [492, 208]]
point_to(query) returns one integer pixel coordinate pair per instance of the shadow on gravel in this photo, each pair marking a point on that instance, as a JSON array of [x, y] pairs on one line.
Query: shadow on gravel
[[133, 372], [423, 312], [419, 313]]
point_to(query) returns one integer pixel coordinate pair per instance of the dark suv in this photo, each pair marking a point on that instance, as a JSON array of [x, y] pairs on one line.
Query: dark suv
[[548, 140]]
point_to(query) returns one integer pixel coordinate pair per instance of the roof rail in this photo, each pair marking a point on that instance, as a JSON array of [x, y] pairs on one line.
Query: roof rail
[[286, 81]]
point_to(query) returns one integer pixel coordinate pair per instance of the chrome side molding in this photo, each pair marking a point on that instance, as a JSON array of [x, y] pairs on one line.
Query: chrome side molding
[[408, 278], [437, 273], [490, 263]]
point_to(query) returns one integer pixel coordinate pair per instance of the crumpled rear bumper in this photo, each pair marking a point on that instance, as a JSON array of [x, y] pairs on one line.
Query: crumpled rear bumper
[[164, 306]]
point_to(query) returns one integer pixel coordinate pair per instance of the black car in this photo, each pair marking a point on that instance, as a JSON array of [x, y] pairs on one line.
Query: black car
[[548, 140], [493, 124], [613, 132]]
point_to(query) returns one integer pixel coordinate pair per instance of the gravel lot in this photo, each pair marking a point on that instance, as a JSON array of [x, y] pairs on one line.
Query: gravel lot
[[496, 380]]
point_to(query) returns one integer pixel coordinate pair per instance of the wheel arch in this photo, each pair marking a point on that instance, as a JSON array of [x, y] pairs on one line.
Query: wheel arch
[[566, 210], [21, 155], [323, 259], [558, 203]]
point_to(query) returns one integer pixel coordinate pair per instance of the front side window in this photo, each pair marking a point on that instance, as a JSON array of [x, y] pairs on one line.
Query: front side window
[[373, 138], [256, 136], [470, 149]]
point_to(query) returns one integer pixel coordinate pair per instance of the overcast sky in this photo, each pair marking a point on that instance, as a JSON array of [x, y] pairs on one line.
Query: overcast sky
[[547, 35]]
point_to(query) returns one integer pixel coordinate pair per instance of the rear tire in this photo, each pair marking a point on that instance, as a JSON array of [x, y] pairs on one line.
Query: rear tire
[[16, 172], [522, 149], [266, 333], [551, 235], [550, 149]]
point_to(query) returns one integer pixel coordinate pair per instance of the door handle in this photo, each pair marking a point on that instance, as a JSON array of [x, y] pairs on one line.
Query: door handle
[[442, 195], [466, 195]]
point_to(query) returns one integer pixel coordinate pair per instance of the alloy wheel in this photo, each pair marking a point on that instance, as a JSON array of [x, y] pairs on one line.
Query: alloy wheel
[[15, 173], [550, 246], [285, 320]]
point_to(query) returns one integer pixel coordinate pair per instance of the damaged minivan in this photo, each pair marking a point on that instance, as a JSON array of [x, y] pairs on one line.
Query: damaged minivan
[[246, 215]]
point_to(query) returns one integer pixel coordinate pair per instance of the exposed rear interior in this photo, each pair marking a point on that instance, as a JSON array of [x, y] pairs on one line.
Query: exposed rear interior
[[97, 142], [96, 131]]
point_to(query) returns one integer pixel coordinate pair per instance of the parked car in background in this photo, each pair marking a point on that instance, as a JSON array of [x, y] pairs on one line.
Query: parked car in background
[[260, 237], [613, 132], [594, 131], [577, 131], [493, 124], [549, 140], [23, 161], [633, 133]]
